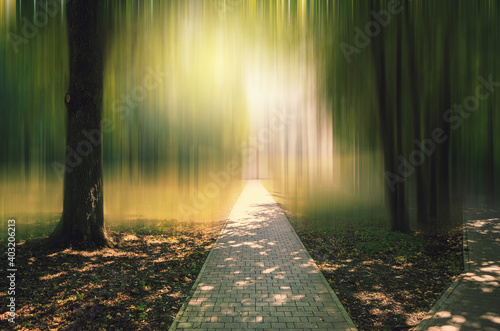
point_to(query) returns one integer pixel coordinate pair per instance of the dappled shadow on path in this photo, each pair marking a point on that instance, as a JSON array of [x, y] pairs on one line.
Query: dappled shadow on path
[[259, 275], [474, 303]]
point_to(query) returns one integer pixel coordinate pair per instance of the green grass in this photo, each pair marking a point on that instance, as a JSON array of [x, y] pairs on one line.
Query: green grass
[[32, 225], [373, 242], [36, 225]]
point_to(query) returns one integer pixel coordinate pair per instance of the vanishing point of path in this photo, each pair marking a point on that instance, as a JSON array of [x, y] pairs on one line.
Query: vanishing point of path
[[259, 276], [473, 301]]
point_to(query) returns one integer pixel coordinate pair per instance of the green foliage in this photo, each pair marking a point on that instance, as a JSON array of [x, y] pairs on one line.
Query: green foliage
[[165, 144]]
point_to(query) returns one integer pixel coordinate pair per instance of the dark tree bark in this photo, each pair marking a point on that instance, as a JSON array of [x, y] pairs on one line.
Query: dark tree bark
[[491, 156], [402, 223], [377, 50], [491, 144], [433, 186], [456, 160], [82, 222], [390, 131], [418, 127], [433, 118], [444, 149]]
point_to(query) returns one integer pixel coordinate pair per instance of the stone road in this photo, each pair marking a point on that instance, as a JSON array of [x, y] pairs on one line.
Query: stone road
[[259, 276], [473, 302]]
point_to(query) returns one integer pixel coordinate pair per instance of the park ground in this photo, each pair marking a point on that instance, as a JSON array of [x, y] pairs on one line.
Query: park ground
[[383, 279]]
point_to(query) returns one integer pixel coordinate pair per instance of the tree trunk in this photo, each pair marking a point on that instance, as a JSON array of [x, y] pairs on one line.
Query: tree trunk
[[491, 156], [377, 50], [420, 178], [443, 149], [389, 123], [433, 203], [402, 224], [82, 222]]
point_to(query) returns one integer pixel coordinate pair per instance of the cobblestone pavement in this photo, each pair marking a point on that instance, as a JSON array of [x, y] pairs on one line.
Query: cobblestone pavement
[[259, 276], [473, 302]]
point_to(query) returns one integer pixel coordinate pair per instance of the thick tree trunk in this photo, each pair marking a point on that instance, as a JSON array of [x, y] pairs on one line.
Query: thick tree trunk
[[389, 126], [82, 222]]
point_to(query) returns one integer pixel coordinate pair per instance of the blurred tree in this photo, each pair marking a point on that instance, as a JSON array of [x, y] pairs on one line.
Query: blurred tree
[[419, 130], [390, 126]]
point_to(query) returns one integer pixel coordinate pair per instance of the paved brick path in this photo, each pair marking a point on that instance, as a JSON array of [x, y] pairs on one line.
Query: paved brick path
[[473, 302], [258, 276]]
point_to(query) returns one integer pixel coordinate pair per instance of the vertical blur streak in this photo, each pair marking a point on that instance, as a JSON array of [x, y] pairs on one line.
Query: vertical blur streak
[[175, 98], [200, 95]]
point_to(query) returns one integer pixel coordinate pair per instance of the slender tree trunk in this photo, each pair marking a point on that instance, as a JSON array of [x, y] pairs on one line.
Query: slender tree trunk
[[26, 146], [491, 155], [433, 188], [443, 171], [377, 49], [402, 223], [432, 122], [130, 151], [82, 222], [421, 198], [456, 163], [491, 58]]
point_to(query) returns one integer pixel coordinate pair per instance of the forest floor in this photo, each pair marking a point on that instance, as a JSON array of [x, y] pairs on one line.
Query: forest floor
[[139, 285], [385, 280]]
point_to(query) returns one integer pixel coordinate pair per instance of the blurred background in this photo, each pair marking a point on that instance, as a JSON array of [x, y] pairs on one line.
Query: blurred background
[[200, 96]]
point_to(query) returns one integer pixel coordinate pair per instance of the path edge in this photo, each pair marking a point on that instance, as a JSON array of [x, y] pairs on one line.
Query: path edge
[[422, 325], [346, 316], [174, 324]]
